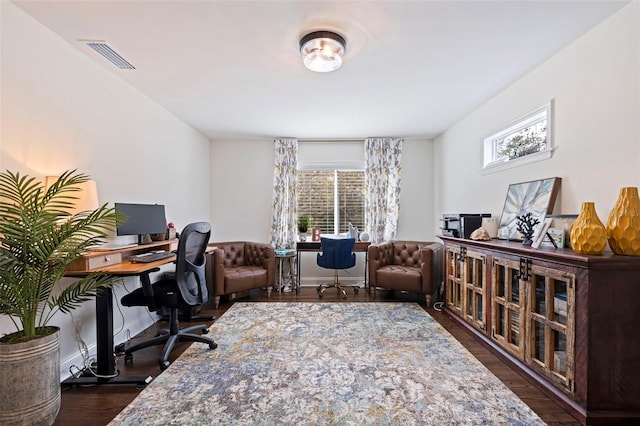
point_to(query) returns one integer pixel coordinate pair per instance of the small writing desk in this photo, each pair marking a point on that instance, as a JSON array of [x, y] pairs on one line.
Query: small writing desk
[[316, 246], [114, 263]]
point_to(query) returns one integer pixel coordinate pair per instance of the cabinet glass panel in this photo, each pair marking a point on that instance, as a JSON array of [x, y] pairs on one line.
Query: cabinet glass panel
[[474, 281], [453, 280], [515, 287], [508, 326], [538, 341], [539, 299], [559, 353], [515, 329], [501, 281], [550, 315]]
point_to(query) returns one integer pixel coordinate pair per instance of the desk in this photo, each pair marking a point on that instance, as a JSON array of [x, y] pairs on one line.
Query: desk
[[115, 266], [315, 246]]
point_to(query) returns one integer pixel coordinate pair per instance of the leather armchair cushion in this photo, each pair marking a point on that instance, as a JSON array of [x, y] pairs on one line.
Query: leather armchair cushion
[[245, 278], [406, 278]]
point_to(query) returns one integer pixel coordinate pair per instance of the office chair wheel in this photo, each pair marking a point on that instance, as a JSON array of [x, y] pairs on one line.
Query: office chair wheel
[[355, 290], [164, 364], [128, 358], [205, 331], [319, 288], [213, 345]]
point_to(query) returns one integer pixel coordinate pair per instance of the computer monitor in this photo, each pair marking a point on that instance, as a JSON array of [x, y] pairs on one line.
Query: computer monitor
[[141, 220]]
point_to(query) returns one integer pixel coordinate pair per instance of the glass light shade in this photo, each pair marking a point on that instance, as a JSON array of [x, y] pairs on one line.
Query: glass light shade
[[322, 51]]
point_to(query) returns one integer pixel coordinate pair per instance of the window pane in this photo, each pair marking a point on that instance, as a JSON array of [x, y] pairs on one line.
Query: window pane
[[316, 199], [523, 142], [351, 199]]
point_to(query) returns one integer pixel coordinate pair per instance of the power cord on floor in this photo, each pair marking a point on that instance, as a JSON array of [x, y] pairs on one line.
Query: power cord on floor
[[438, 306], [87, 361]]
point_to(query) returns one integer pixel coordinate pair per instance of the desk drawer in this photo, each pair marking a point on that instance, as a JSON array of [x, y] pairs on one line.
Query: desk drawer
[[103, 260]]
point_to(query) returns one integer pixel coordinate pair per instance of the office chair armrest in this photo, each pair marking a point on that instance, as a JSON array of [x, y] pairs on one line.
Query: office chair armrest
[[147, 289]]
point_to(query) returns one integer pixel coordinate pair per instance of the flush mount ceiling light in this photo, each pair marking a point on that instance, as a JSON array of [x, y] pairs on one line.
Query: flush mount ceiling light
[[322, 50]]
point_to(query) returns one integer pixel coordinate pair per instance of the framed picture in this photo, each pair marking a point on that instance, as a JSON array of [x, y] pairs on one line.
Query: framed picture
[[315, 236], [536, 197], [558, 238], [564, 222]]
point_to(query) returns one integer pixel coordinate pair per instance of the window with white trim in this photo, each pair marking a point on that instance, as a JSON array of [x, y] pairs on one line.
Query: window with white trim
[[331, 199], [523, 141]]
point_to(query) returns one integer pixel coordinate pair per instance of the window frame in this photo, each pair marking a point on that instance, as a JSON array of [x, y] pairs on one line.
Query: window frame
[[490, 144]]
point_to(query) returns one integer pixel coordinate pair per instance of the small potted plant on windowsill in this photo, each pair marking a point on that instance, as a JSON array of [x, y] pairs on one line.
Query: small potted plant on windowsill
[[303, 226], [39, 238]]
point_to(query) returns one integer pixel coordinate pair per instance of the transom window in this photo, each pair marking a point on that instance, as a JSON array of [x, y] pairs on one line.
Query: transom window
[[331, 199], [524, 140]]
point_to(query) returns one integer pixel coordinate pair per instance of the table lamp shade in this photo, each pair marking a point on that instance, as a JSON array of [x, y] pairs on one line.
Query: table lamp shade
[[87, 196]]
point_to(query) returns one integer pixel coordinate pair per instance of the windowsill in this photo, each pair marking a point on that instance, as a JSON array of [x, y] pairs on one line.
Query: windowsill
[[527, 159]]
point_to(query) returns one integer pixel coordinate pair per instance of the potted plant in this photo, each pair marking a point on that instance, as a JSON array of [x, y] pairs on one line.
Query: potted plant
[[303, 226], [39, 238]]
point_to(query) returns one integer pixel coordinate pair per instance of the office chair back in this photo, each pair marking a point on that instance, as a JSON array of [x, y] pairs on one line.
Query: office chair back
[[337, 253], [190, 263]]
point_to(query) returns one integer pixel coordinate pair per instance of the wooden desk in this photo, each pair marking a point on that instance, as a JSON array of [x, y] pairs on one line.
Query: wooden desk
[[316, 246], [116, 263]]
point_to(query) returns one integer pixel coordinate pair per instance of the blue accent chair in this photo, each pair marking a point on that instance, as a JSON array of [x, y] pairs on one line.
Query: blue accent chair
[[337, 253]]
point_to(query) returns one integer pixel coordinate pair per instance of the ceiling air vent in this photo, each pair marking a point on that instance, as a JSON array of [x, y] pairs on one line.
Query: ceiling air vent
[[111, 55]]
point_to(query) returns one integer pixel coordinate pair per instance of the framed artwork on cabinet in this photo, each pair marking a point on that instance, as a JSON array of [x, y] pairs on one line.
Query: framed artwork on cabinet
[[536, 197]]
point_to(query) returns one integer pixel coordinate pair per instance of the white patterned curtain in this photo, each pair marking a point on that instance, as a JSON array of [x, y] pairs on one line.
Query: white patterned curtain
[[383, 166], [284, 209]]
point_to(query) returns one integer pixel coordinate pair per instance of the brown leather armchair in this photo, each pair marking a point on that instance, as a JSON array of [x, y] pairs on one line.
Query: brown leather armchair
[[236, 266], [415, 266]]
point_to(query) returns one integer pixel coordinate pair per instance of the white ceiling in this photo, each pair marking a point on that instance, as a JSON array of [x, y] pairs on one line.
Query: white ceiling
[[232, 69]]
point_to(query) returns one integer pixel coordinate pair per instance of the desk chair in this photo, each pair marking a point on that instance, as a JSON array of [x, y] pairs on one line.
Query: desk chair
[[185, 289], [337, 253]]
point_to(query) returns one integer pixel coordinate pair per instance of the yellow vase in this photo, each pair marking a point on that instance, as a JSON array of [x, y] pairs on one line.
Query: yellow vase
[[623, 226], [588, 234]]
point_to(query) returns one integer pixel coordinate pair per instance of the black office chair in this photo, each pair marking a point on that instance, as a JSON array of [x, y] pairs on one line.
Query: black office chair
[[337, 253], [187, 288]]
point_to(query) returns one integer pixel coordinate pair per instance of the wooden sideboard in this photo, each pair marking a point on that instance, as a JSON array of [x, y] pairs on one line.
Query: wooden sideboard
[[569, 322]]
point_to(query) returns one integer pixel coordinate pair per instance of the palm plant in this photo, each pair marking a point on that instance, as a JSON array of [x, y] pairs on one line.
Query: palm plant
[[39, 238]]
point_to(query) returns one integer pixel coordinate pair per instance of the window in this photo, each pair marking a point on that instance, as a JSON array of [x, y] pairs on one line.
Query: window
[[526, 140], [331, 199]]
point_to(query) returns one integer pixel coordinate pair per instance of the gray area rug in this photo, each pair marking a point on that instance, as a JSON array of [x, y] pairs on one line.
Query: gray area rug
[[327, 364]]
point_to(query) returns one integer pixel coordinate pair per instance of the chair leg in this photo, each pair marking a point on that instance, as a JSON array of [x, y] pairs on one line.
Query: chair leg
[[428, 299], [338, 285], [170, 337]]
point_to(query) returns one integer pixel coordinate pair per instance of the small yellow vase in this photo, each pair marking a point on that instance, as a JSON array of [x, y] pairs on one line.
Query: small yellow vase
[[623, 226], [588, 234]]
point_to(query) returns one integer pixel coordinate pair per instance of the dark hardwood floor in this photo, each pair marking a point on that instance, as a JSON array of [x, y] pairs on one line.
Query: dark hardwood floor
[[97, 405]]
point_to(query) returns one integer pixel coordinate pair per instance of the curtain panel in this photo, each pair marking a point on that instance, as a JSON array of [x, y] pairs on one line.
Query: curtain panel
[[284, 208], [383, 167]]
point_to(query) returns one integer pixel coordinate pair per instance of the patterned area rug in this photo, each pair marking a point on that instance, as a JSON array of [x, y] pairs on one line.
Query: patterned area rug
[[327, 364]]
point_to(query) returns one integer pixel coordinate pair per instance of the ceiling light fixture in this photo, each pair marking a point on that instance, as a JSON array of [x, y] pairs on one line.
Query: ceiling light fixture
[[322, 51]]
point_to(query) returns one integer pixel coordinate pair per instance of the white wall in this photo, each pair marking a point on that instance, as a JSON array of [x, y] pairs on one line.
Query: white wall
[[61, 110], [595, 86], [242, 190]]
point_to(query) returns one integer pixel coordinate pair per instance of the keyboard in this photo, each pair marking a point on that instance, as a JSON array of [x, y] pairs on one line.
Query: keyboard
[[150, 257]]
